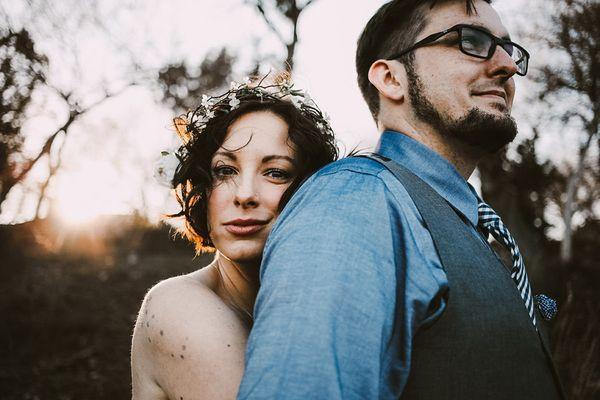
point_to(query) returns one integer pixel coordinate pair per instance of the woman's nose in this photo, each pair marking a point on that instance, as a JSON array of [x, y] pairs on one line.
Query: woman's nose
[[246, 193]]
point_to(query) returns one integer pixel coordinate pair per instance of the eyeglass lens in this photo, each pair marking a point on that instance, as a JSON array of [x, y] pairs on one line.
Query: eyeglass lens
[[479, 44]]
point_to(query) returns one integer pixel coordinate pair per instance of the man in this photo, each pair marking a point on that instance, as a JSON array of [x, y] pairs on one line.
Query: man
[[377, 281]]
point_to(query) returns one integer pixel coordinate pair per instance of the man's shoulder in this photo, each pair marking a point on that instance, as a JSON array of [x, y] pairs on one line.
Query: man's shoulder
[[351, 179], [359, 174], [352, 164], [356, 179]]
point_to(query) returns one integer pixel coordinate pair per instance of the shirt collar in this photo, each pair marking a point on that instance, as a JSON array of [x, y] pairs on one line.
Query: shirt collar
[[432, 168]]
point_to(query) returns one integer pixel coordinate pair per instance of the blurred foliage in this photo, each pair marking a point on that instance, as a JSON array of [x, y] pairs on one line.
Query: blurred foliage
[[67, 317], [182, 86], [527, 192], [22, 69]]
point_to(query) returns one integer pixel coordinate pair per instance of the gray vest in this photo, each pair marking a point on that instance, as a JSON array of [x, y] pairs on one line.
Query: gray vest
[[484, 345]]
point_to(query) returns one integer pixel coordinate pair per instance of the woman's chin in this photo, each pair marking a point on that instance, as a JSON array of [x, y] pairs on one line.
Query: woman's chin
[[247, 253]]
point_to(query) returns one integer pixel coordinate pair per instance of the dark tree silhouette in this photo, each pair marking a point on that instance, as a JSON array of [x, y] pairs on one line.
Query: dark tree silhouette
[[182, 86], [525, 191], [290, 11], [22, 69]]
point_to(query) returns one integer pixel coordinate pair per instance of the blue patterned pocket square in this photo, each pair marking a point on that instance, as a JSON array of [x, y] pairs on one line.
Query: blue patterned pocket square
[[547, 306]]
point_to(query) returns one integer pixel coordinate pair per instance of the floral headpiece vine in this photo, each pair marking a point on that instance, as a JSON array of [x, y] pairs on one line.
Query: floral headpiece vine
[[194, 122], [283, 89]]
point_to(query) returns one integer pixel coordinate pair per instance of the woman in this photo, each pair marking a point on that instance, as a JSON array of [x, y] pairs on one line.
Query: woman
[[245, 152]]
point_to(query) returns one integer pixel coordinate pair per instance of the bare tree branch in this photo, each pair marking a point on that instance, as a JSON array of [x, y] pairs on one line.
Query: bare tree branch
[[291, 10], [75, 113], [261, 10]]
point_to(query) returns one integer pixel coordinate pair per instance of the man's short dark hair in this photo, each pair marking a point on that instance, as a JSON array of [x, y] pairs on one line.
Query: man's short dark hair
[[395, 26]]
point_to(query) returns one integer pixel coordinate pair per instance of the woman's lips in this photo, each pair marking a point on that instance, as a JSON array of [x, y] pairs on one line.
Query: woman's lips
[[244, 230]]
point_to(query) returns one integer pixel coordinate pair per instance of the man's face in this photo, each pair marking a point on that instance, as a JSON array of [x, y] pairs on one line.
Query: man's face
[[460, 95]]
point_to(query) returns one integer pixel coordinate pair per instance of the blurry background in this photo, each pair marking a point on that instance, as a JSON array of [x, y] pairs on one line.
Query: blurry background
[[88, 90]]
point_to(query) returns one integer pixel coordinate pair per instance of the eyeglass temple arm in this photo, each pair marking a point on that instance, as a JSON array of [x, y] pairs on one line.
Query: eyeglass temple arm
[[421, 43]]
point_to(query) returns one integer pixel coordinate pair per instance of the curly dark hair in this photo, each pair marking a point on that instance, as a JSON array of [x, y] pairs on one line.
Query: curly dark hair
[[309, 135]]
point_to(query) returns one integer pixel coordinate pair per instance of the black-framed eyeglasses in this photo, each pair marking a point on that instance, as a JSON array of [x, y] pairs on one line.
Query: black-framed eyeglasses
[[476, 42]]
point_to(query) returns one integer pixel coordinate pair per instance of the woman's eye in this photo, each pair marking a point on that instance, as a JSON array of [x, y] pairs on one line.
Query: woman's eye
[[278, 174], [223, 171]]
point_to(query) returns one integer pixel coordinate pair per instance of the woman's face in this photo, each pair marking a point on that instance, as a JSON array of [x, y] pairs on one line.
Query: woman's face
[[251, 171]]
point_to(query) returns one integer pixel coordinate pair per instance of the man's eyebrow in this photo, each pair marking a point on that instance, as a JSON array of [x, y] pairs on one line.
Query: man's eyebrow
[[278, 157], [485, 28]]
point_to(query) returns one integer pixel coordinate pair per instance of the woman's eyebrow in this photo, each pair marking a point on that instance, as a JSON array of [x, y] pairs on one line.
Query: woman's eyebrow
[[227, 154], [278, 157]]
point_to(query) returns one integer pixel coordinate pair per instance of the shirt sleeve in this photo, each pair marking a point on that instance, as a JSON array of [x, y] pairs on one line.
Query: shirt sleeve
[[325, 311]]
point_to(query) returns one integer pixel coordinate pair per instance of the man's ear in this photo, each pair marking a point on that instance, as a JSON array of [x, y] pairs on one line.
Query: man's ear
[[388, 77]]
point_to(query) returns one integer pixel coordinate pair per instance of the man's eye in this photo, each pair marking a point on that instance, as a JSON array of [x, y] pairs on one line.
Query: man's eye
[[223, 171], [450, 40], [278, 174], [474, 42]]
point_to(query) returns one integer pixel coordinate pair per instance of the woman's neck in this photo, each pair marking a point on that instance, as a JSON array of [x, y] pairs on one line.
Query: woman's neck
[[238, 285]]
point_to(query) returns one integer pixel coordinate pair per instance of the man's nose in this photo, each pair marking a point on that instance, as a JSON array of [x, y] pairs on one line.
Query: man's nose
[[502, 63], [246, 193]]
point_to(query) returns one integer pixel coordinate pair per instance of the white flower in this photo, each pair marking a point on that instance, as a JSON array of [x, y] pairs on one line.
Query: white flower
[[285, 85], [296, 101], [206, 101], [234, 102], [203, 120], [206, 117], [165, 167], [235, 85], [308, 100], [246, 81]]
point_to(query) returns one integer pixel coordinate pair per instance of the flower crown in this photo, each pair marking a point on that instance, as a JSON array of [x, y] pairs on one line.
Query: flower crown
[[282, 89], [194, 122]]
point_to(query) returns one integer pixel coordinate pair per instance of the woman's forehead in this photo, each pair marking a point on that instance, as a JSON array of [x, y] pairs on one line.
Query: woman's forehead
[[261, 132]]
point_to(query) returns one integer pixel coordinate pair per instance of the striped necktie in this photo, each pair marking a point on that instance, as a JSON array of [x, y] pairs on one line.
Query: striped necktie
[[491, 223]]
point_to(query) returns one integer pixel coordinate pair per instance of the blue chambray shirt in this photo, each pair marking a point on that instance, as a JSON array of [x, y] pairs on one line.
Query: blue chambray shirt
[[325, 311]]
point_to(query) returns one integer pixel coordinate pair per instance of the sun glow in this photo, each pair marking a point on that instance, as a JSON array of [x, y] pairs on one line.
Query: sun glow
[[76, 212], [82, 196]]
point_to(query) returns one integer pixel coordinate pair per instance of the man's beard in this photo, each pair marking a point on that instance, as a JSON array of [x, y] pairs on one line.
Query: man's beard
[[484, 131]]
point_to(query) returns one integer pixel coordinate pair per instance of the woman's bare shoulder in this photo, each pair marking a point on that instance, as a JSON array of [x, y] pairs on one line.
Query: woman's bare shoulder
[[187, 334], [183, 305]]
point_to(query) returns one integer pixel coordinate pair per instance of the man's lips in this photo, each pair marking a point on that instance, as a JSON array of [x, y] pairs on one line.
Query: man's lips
[[245, 227], [491, 93]]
